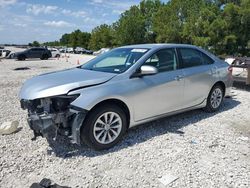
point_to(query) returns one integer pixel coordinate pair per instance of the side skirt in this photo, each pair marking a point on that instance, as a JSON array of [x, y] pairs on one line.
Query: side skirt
[[201, 105]]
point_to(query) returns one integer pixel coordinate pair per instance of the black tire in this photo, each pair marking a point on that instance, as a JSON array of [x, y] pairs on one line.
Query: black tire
[[211, 107], [57, 56], [87, 131], [44, 57], [21, 57]]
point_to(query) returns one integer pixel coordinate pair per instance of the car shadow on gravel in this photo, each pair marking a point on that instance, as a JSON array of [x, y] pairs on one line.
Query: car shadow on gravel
[[173, 124], [35, 59]]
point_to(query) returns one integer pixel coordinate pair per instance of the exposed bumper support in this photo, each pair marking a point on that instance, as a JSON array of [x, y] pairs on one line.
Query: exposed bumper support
[[76, 127], [42, 125], [48, 125]]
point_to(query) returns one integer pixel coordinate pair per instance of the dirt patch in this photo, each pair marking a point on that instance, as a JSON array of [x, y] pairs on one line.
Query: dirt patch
[[46, 67], [243, 127]]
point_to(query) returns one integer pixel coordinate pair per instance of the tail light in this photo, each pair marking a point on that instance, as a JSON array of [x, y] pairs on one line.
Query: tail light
[[230, 70]]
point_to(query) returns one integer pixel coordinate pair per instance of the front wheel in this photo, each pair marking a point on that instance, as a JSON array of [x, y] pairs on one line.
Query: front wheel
[[214, 99], [104, 127]]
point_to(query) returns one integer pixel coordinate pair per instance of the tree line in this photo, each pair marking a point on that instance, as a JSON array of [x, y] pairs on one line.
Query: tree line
[[221, 26]]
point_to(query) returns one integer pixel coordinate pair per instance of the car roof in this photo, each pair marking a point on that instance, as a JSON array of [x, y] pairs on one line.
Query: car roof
[[37, 48], [158, 45]]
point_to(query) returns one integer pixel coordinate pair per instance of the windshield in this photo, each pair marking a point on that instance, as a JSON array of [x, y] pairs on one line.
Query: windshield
[[116, 61]]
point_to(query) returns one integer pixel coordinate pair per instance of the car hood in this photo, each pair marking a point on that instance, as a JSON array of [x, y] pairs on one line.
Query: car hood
[[61, 82]]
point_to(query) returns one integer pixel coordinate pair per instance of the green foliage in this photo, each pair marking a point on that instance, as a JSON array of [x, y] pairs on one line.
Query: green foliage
[[34, 44], [222, 26], [135, 25], [65, 39], [75, 39], [219, 25], [130, 28], [101, 37], [54, 43]]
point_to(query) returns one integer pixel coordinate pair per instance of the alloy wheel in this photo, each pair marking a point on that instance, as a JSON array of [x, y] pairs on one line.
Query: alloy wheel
[[216, 98], [107, 127]]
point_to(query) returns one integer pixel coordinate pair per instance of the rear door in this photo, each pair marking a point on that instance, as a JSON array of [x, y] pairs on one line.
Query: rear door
[[40, 52], [160, 93], [33, 53], [199, 75]]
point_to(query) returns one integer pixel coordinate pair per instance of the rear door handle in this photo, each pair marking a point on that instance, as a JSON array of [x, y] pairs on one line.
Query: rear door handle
[[178, 78]]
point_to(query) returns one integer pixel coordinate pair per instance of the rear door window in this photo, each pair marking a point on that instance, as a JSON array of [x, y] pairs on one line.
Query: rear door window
[[206, 59], [192, 57]]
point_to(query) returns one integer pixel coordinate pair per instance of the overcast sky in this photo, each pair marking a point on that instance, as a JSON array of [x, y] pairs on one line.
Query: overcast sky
[[23, 21]]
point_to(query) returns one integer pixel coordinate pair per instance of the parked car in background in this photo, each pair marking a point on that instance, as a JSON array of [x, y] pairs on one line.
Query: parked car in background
[[38, 52], [11, 55], [101, 51], [4, 52], [88, 52], [79, 50], [239, 67], [63, 50], [70, 50], [229, 60], [97, 102], [55, 52]]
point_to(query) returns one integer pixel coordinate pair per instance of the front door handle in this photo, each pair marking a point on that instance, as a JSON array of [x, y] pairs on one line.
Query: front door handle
[[178, 78]]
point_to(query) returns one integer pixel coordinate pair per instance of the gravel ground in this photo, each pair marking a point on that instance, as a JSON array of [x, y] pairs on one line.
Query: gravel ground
[[200, 149]]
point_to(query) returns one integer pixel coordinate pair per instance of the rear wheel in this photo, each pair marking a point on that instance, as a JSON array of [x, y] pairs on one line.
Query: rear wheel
[[21, 57], [44, 57], [214, 99], [104, 127]]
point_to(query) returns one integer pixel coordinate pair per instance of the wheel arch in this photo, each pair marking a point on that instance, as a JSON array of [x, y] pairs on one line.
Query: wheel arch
[[22, 55], [117, 102], [222, 84]]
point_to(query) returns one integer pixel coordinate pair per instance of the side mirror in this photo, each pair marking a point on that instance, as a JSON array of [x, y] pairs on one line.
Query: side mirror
[[145, 70], [148, 70]]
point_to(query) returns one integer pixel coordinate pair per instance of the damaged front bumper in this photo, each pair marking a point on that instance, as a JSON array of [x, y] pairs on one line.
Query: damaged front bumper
[[49, 124]]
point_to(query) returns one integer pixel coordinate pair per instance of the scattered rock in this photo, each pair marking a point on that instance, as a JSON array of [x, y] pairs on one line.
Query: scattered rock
[[244, 138], [167, 179], [8, 127], [46, 183]]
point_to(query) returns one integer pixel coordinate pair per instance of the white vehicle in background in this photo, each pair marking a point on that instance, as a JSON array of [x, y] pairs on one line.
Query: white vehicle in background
[[55, 52], [70, 50], [101, 51], [63, 50], [4, 53], [236, 71], [230, 60]]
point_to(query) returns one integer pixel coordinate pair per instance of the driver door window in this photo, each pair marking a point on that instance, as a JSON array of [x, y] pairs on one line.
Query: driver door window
[[163, 60]]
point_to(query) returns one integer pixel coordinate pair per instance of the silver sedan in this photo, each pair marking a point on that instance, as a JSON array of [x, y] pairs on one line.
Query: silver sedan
[[97, 102]]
